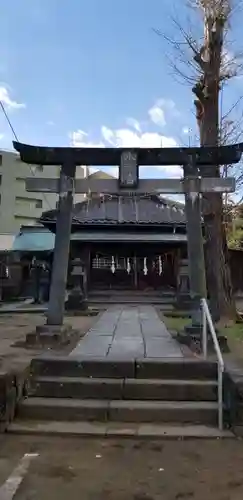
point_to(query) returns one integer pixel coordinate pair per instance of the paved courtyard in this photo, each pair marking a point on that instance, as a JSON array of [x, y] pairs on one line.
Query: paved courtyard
[[129, 332]]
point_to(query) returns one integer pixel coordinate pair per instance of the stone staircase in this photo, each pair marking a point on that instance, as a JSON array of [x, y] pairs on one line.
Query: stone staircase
[[164, 299], [120, 398]]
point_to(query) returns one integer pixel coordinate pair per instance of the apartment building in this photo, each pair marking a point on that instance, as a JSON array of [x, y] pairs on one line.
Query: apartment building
[[17, 206]]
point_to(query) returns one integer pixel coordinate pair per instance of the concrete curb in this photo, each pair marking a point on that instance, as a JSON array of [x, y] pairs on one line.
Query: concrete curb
[[42, 310], [23, 310], [117, 431]]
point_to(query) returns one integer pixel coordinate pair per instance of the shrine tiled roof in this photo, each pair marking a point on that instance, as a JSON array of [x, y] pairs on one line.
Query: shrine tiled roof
[[123, 209]]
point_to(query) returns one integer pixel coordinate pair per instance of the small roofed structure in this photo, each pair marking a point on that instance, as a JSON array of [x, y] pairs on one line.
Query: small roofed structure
[[107, 232]]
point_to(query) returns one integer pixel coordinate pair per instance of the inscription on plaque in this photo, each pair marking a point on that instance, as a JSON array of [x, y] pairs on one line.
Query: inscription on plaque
[[128, 172]]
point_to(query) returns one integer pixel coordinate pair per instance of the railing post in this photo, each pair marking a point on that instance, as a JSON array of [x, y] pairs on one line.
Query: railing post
[[220, 397], [207, 321], [204, 331]]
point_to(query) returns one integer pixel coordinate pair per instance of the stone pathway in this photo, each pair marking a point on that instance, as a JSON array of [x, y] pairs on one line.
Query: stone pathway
[[130, 333]]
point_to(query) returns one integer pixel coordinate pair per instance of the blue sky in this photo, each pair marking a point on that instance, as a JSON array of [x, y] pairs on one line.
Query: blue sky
[[94, 72]]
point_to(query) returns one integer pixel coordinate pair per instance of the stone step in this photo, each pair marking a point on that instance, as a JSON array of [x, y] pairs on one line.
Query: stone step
[[134, 297], [116, 430], [182, 412], [145, 293], [141, 389], [64, 366], [131, 300], [164, 306], [180, 368], [163, 368]]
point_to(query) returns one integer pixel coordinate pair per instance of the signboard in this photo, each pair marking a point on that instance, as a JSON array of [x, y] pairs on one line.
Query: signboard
[[128, 171]]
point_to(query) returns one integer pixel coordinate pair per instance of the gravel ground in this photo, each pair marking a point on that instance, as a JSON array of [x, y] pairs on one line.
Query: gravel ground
[[125, 470], [13, 329]]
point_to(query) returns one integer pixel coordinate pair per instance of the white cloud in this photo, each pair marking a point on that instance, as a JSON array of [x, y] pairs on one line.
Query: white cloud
[[129, 138], [125, 137], [79, 139], [6, 99], [133, 137], [132, 122], [168, 105], [1, 136], [157, 115], [160, 109], [107, 134]]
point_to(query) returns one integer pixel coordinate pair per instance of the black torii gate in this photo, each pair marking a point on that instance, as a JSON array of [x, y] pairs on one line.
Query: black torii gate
[[128, 160]]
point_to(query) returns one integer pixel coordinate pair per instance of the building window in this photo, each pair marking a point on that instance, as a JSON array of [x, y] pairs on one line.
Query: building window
[[40, 168], [0, 179], [38, 204], [1, 160]]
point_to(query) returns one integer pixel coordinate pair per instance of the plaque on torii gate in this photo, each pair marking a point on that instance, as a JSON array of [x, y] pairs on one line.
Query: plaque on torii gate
[[128, 160]]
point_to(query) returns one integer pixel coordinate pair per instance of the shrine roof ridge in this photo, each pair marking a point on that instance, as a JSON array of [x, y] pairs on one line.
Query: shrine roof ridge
[[145, 156]]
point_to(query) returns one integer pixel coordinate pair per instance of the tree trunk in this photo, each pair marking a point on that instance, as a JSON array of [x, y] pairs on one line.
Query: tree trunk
[[207, 106], [216, 251], [217, 260]]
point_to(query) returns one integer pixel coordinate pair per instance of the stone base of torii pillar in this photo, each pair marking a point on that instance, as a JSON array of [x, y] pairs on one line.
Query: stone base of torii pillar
[[191, 337], [192, 334], [50, 336]]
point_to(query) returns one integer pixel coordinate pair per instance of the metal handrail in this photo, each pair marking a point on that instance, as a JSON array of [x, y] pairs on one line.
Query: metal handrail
[[207, 319]]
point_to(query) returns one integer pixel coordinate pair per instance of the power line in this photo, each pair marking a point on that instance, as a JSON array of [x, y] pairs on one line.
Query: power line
[[8, 120], [16, 138]]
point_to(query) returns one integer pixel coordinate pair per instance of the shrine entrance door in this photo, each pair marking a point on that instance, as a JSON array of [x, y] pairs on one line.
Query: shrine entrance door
[[156, 272], [112, 271], [139, 268]]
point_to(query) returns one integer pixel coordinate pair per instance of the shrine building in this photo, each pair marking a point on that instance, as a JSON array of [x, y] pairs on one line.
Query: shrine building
[[127, 242]]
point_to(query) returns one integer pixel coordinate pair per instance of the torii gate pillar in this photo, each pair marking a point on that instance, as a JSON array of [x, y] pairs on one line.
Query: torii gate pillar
[[195, 250], [56, 306]]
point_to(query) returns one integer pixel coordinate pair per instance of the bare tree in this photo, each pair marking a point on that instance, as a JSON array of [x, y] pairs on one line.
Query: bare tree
[[231, 132], [216, 69], [206, 64]]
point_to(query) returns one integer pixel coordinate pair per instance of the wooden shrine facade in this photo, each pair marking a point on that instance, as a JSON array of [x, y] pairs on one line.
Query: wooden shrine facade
[[130, 268], [127, 242]]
